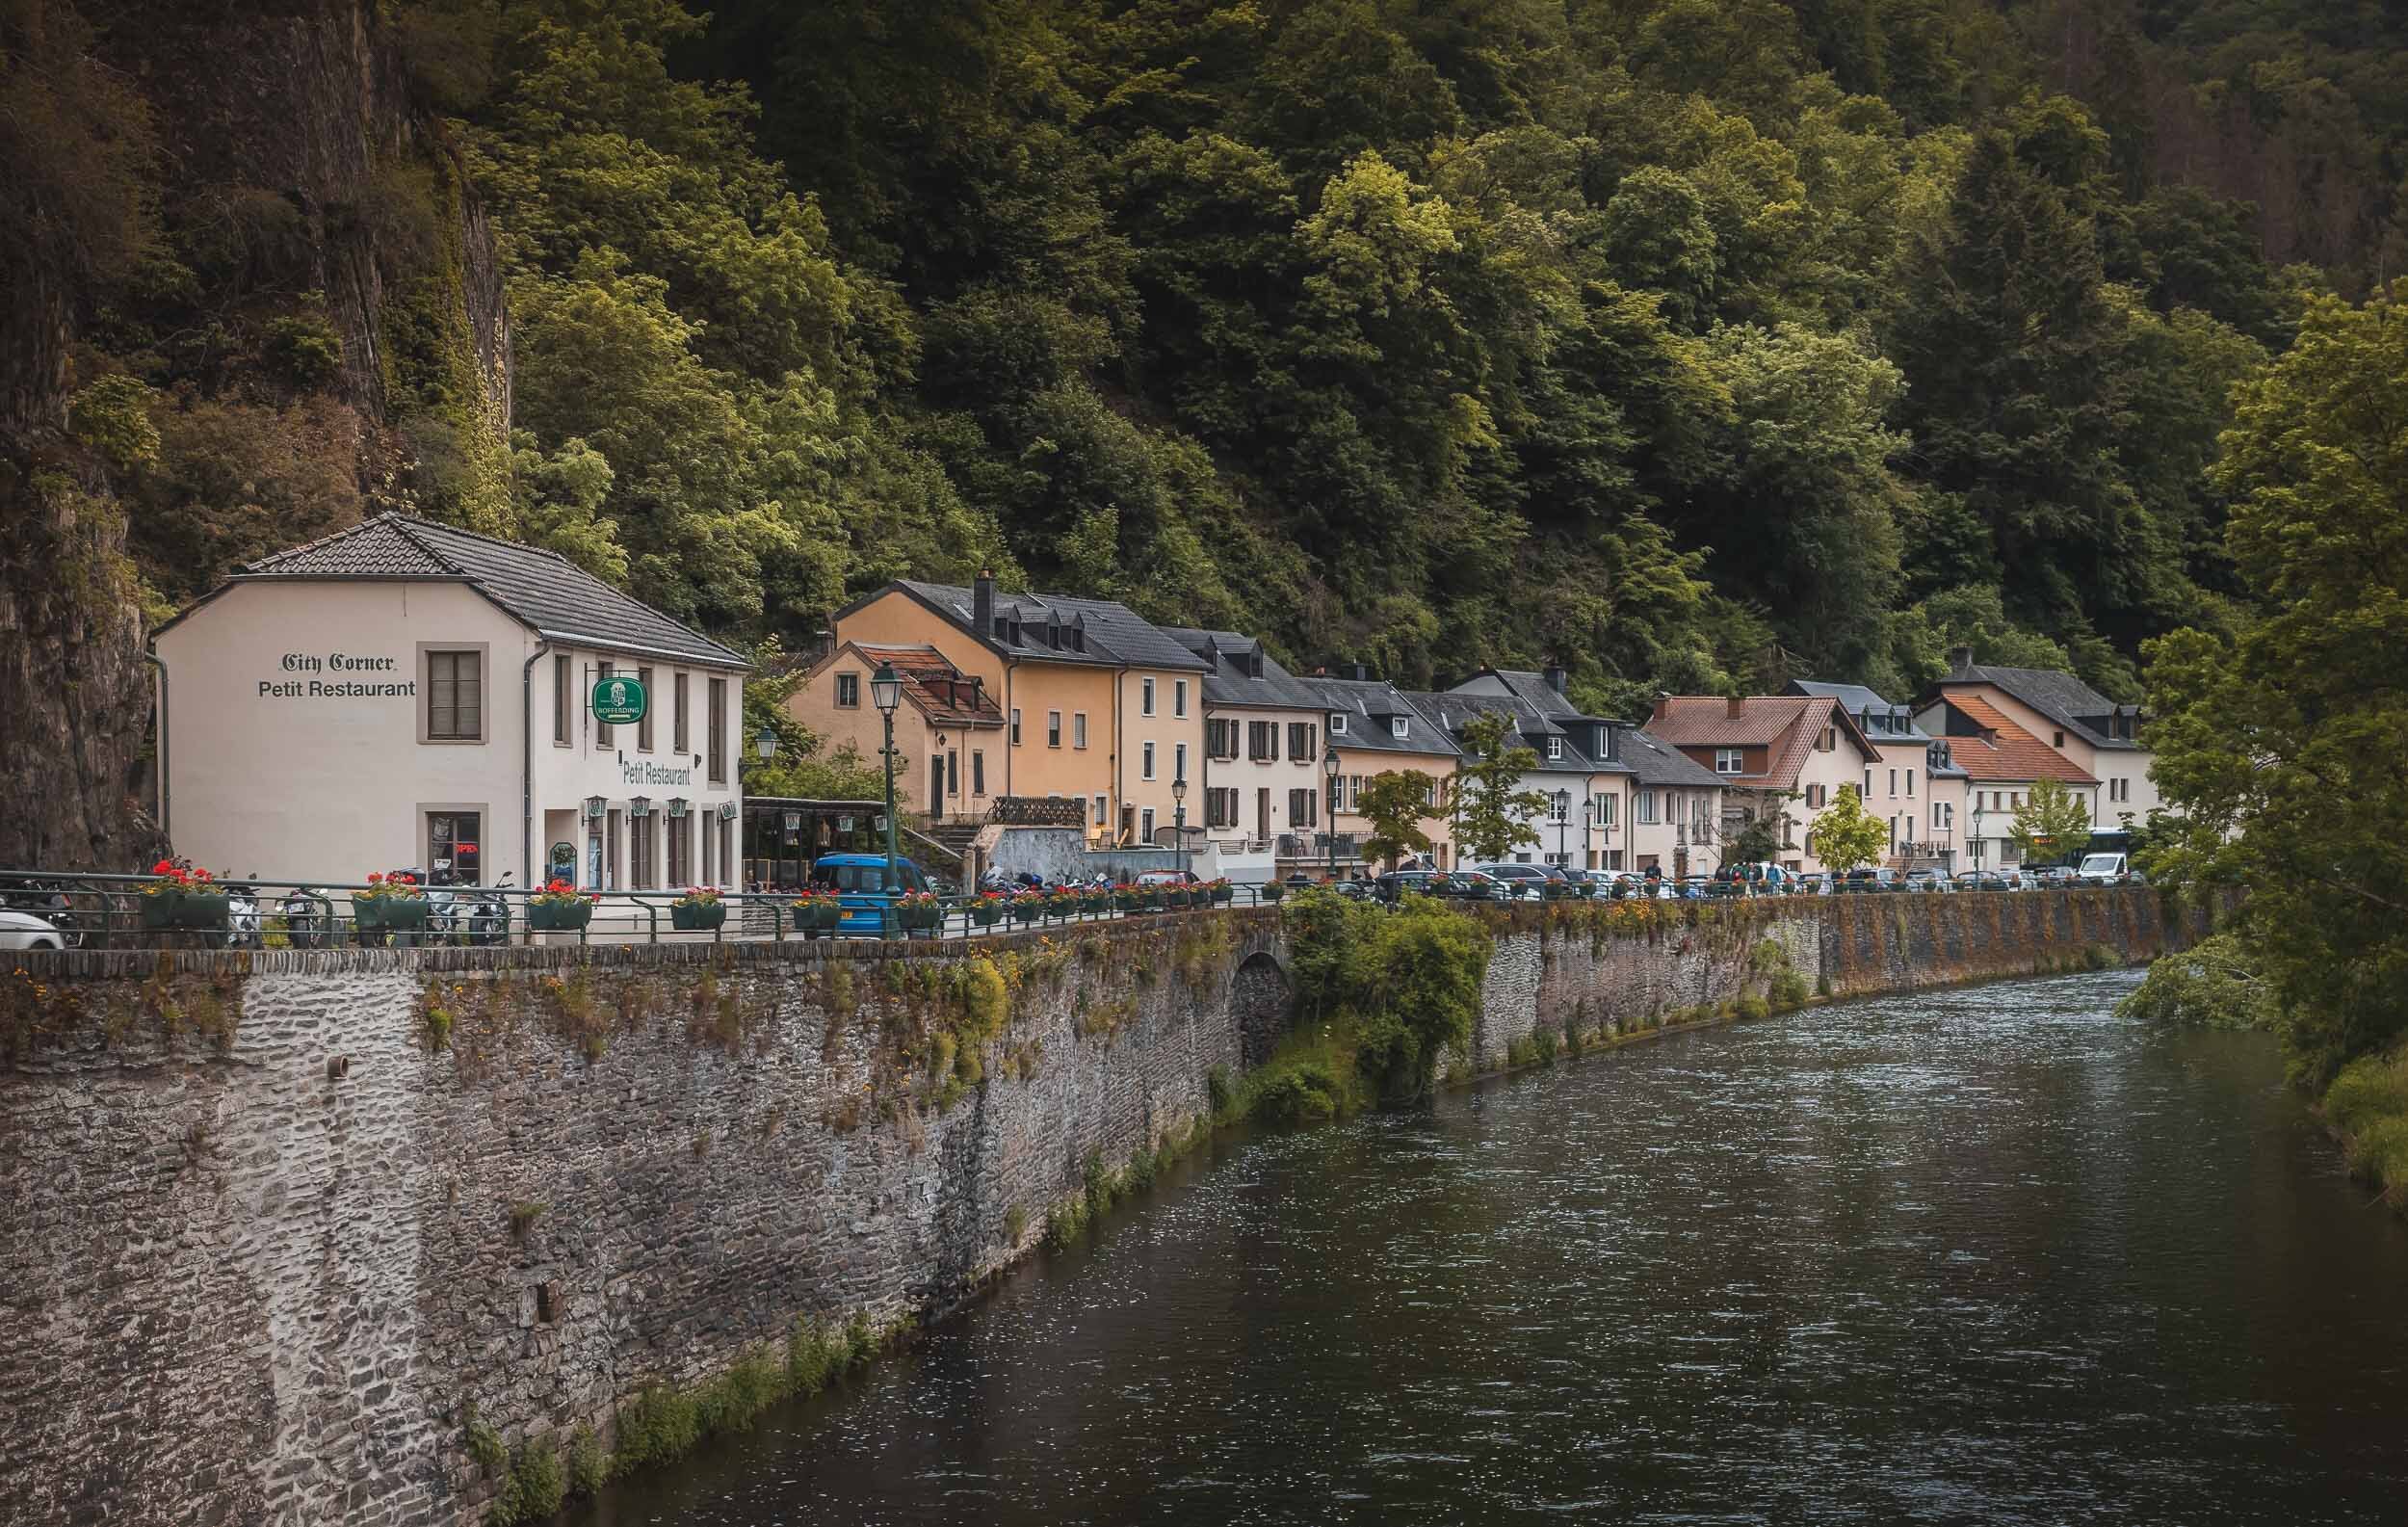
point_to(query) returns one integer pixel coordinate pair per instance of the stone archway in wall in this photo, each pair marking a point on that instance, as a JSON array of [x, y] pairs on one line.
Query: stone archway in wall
[[1261, 1002]]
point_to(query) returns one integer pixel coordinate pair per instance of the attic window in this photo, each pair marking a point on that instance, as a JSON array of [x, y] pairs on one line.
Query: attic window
[[1078, 639], [1554, 747], [1254, 665], [1337, 723], [2057, 739], [1396, 726]]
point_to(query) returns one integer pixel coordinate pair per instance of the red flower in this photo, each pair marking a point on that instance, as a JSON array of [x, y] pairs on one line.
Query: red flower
[[162, 867], [374, 878]]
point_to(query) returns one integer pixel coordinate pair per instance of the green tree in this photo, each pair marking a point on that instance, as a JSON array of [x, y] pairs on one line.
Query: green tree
[[1396, 801], [1493, 814], [2051, 822], [1428, 965], [2215, 984], [1844, 836], [2285, 747]]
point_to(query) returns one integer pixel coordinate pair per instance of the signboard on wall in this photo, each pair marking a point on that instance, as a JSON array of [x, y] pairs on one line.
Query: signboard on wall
[[618, 700]]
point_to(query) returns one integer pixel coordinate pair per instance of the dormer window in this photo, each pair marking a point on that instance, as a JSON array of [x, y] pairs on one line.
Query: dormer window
[[1254, 664], [1554, 747], [1337, 723], [1396, 726]]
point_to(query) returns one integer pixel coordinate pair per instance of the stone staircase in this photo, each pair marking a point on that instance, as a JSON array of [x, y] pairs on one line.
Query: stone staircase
[[948, 844]]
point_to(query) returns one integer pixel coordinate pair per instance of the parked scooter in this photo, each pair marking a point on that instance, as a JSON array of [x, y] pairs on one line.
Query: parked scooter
[[489, 914], [243, 923]]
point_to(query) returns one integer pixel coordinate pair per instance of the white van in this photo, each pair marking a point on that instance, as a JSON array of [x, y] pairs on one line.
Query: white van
[[2102, 869]]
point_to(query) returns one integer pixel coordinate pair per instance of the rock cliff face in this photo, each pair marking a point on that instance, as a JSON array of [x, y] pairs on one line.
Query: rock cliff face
[[196, 190]]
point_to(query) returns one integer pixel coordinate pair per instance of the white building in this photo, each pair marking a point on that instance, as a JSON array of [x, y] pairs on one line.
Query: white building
[[2099, 738], [405, 692]]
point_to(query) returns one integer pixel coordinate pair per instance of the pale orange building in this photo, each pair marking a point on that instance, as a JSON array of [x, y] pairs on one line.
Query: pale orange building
[[1096, 704], [949, 730]]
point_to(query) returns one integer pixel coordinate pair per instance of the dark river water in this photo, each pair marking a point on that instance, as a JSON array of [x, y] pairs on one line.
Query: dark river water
[[1985, 1255]]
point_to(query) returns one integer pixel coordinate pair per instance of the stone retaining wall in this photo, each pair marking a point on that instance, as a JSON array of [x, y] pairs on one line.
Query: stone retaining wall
[[272, 1224]]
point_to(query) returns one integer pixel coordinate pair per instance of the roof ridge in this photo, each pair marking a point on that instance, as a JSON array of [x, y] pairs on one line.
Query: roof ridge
[[327, 540], [472, 534], [402, 524]]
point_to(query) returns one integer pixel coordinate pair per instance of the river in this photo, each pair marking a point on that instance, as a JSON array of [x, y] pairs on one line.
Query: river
[[1981, 1255]]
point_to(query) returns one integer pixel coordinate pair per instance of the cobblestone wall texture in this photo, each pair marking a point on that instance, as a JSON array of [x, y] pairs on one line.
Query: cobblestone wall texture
[[263, 1241]]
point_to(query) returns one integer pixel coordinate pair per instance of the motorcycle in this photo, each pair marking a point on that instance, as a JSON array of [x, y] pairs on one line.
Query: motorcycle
[[306, 917]]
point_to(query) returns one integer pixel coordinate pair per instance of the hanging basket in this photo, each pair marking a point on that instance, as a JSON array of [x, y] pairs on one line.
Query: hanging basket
[[702, 917], [558, 917]]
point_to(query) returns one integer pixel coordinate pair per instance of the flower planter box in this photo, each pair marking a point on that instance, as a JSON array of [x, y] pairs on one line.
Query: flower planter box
[[400, 914], [565, 917], [159, 908], [700, 918], [1026, 912], [986, 914], [1273, 890], [921, 917]]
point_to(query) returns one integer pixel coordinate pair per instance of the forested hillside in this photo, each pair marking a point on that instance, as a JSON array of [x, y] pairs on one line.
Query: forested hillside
[[1694, 343]]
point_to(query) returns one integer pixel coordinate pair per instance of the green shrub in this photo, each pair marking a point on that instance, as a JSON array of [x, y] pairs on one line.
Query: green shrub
[[1301, 1093], [1217, 1092], [2099, 957], [588, 1468], [305, 352], [1786, 992], [659, 1425], [536, 1485], [1753, 1006], [1544, 1045]]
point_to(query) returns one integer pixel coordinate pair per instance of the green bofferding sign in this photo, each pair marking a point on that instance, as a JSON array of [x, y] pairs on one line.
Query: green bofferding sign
[[617, 699]]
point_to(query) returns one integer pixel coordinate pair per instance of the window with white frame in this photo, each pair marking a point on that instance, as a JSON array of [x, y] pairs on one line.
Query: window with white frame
[[1337, 723], [1554, 747], [1730, 761], [1149, 760], [1015, 726], [1052, 728], [1178, 760], [1647, 807], [1145, 696], [1178, 697], [1560, 809], [1099, 811], [1145, 823], [848, 691], [1078, 729], [1397, 726]]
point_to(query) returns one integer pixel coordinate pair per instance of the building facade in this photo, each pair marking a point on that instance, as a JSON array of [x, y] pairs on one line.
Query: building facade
[[1916, 787], [405, 695], [2097, 736], [1781, 757], [1264, 733], [1374, 731], [949, 730], [1098, 706], [2002, 762]]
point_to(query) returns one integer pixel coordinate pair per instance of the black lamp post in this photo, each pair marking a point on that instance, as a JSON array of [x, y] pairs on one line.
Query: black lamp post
[[1329, 768], [886, 693], [1179, 821]]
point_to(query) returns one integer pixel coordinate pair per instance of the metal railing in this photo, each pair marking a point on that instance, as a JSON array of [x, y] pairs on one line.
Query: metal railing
[[89, 911]]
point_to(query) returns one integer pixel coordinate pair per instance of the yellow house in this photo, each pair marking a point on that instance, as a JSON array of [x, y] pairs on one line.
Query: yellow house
[[1097, 704], [949, 730]]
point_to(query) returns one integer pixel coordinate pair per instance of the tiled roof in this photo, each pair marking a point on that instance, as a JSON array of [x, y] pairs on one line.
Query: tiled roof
[[929, 683], [1453, 709], [1228, 682], [2062, 698], [1889, 723], [1114, 634], [2007, 752], [1655, 763], [1368, 705], [553, 595], [1786, 726]]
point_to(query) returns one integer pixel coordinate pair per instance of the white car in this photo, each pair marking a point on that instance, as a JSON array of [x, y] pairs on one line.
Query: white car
[[25, 931]]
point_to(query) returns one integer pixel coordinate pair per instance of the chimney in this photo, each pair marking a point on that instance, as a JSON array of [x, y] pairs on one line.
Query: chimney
[[1663, 708], [1960, 659], [982, 603], [1359, 672], [1734, 707], [1555, 677]]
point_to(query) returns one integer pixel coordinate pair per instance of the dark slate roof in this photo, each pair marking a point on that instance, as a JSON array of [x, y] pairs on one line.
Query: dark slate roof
[[1369, 704], [554, 596], [1115, 635], [1658, 763], [1526, 685], [1453, 710], [1881, 720], [1229, 683], [2062, 698]]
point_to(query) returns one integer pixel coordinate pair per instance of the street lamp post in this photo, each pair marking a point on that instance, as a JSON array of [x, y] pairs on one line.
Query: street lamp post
[[1329, 768], [1179, 821], [886, 693], [765, 744]]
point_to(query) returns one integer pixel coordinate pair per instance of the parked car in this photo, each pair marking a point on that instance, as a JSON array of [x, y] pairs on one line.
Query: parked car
[[859, 881], [1520, 880], [1927, 880], [1167, 878], [1862, 880], [1981, 881], [25, 931], [1479, 885], [2052, 877], [1584, 882], [1393, 886]]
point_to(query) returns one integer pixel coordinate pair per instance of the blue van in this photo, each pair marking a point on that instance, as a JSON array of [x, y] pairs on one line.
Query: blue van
[[859, 881]]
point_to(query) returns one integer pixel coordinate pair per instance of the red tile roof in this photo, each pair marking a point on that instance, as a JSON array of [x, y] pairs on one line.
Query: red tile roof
[[1786, 726], [2006, 751], [930, 684]]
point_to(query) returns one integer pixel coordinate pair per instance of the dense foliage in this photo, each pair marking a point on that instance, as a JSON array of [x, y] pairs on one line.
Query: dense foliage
[[1692, 345], [2284, 746], [1390, 991]]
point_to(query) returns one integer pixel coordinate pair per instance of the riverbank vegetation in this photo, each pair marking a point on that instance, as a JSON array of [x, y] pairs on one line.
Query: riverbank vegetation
[[1383, 996], [2281, 742]]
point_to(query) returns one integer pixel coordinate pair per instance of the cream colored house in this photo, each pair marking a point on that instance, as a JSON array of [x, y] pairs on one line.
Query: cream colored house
[[1264, 736], [404, 693], [1783, 757], [1918, 788], [2098, 738]]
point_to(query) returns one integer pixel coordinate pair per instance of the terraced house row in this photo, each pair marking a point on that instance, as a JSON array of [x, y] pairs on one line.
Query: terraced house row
[[1021, 697]]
